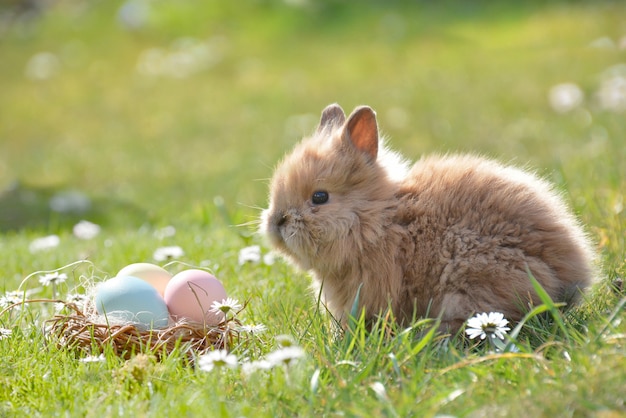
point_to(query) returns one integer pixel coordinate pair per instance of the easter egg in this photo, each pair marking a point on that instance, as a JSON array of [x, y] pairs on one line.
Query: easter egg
[[190, 294], [131, 299], [153, 274]]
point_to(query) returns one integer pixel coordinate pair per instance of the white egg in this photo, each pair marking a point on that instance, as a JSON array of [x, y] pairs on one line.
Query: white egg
[[153, 274]]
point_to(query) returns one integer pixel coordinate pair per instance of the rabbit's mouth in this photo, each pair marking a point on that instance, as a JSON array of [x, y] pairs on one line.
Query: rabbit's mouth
[[281, 227], [285, 232], [272, 226]]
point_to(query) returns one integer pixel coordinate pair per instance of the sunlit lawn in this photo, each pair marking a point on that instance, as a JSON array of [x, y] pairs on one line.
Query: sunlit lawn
[[164, 114]]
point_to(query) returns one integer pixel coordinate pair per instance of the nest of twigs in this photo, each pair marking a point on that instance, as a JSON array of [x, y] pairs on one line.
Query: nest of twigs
[[82, 331]]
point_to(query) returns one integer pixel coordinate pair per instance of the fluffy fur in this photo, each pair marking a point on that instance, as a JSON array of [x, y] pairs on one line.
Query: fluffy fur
[[450, 237]]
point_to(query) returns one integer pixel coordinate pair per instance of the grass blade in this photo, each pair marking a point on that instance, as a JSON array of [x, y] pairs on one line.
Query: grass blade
[[547, 301]]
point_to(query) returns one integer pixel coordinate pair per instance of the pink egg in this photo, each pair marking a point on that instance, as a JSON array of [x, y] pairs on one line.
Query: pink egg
[[190, 294]]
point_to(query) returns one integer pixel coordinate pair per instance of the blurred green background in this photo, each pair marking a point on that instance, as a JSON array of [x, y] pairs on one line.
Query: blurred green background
[[161, 122], [146, 111]]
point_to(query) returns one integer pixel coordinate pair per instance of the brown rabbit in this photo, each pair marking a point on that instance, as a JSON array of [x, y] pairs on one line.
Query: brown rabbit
[[452, 236]]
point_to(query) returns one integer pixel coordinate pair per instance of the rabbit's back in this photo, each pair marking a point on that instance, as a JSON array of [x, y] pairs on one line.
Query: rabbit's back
[[475, 228]]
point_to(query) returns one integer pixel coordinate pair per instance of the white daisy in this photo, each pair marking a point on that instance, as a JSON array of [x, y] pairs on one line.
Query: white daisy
[[93, 359], [285, 340], [168, 253], [269, 258], [165, 232], [285, 356], [42, 66], [250, 367], [250, 254], [612, 92], [11, 298], [565, 97], [225, 306], [77, 298], [52, 278], [5, 333], [86, 230], [217, 359], [44, 243], [487, 324], [253, 329]]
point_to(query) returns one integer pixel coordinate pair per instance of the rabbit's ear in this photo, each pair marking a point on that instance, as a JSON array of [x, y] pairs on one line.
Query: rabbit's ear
[[332, 116], [362, 130]]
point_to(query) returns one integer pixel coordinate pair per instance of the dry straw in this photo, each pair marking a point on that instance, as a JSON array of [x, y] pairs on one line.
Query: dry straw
[[80, 330]]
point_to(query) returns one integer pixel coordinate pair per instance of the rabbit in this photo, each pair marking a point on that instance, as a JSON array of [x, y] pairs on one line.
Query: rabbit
[[449, 237]]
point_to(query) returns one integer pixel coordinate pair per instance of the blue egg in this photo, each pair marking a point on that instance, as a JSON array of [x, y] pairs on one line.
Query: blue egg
[[130, 299]]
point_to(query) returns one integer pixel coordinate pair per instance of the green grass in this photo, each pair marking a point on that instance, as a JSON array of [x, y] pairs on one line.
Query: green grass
[[155, 151]]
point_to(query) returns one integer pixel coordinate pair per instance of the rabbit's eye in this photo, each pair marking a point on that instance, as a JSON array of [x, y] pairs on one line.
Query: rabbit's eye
[[319, 197]]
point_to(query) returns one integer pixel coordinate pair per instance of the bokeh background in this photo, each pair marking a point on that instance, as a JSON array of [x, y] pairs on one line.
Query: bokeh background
[[146, 131], [151, 111]]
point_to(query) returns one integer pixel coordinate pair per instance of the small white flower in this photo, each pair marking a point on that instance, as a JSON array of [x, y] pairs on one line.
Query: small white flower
[[42, 66], [52, 278], [166, 231], [217, 359], [93, 359], [250, 254], [487, 324], [269, 258], [565, 97], [86, 230], [44, 243], [250, 367], [285, 356], [11, 298], [253, 329], [285, 340], [78, 299], [612, 93], [225, 306], [5, 333], [168, 253]]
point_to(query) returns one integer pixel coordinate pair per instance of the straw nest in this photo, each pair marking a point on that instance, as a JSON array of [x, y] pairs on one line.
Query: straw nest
[[79, 329]]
